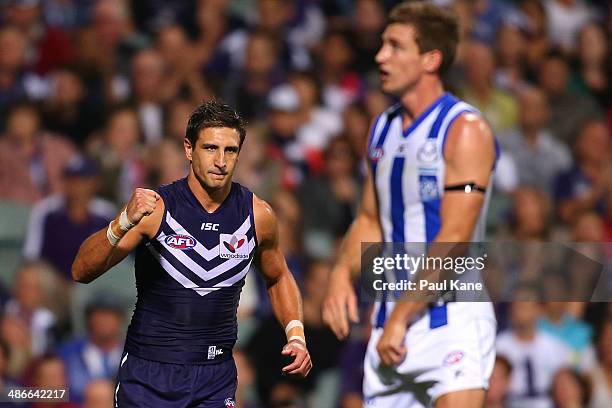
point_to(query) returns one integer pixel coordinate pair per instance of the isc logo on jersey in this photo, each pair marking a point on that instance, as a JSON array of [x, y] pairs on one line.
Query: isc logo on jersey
[[233, 246], [179, 241]]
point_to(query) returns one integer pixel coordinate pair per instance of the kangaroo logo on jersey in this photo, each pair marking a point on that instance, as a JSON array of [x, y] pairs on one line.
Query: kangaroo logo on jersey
[[233, 246], [179, 241], [428, 152], [428, 187]]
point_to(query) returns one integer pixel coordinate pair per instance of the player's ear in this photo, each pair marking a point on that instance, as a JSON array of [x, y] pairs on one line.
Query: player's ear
[[188, 149], [432, 61]]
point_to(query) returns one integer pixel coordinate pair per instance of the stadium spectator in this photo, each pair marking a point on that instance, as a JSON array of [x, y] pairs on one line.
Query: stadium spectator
[[356, 125], [584, 187], [50, 48], [328, 201], [574, 333], [539, 43], [34, 290], [48, 372], [248, 87], [511, 50], [568, 109], [535, 355], [16, 334], [67, 110], [32, 159], [149, 92], [97, 355], [182, 77], [565, 19], [340, 84], [498, 107], [570, 389], [489, 15], [13, 74], [176, 120], [318, 124], [115, 42], [118, 155], [530, 219], [99, 394], [539, 157], [366, 27], [601, 374], [593, 65], [261, 172], [59, 224], [284, 121]]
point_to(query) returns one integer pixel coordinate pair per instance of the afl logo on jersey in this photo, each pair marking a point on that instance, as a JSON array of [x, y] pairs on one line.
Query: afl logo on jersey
[[178, 241], [376, 154], [233, 246], [453, 357], [428, 152]]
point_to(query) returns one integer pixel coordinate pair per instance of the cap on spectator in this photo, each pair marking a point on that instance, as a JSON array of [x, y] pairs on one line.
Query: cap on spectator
[[284, 98], [81, 167], [105, 301]]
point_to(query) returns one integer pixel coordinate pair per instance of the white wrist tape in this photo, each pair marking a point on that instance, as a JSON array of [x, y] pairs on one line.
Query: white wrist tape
[[293, 324], [124, 222], [110, 235], [299, 338]]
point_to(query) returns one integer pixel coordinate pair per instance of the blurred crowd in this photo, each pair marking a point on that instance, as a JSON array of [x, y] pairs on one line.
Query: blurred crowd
[[94, 98]]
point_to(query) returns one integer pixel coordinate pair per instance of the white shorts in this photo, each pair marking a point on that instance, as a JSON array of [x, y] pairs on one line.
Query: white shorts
[[456, 356]]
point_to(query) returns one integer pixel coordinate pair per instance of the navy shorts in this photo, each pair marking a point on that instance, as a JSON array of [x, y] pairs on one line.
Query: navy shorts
[[145, 383]]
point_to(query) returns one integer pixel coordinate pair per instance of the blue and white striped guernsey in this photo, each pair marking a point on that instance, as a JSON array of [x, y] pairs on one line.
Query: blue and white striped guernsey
[[189, 278], [408, 173]]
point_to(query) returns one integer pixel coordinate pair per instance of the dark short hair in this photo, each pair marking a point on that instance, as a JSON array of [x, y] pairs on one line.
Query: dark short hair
[[436, 28], [214, 114]]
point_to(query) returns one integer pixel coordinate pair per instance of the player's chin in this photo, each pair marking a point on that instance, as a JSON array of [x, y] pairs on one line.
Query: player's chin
[[217, 182]]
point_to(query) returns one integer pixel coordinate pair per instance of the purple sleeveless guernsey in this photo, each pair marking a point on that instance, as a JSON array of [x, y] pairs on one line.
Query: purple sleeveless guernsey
[[189, 278]]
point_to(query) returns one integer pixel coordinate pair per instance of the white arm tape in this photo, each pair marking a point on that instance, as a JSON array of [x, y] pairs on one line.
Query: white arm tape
[[124, 222], [292, 324], [110, 235]]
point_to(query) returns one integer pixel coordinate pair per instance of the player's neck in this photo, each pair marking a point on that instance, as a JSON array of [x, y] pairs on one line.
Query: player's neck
[[422, 96], [210, 199]]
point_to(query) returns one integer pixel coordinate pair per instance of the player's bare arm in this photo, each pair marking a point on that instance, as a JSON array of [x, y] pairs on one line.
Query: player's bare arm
[[97, 254], [469, 155], [340, 304], [282, 289]]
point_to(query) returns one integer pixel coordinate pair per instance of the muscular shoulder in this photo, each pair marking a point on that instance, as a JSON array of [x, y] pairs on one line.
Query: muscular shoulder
[[469, 134], [266, 225]]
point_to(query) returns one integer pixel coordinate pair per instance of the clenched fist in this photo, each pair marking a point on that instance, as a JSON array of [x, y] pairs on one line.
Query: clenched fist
[[142, 203]]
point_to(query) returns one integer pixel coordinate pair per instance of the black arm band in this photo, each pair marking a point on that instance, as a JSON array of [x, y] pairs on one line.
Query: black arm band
[[466, 188]]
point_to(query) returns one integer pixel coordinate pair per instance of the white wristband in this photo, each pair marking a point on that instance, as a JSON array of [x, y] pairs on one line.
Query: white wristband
[[110, 235], [124, 222], [292, 324]]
